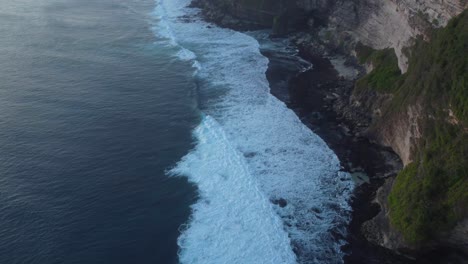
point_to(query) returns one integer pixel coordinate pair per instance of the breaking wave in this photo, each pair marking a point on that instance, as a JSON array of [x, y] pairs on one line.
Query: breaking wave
[[271, 191]]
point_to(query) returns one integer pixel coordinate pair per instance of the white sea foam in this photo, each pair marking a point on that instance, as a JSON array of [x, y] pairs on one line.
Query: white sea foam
[[233, 222], [251, 149], [163, 31]]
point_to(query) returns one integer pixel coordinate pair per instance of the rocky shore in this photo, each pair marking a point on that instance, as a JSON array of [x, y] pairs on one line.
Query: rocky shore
[[324, 98], [317, 96], [320, 96]]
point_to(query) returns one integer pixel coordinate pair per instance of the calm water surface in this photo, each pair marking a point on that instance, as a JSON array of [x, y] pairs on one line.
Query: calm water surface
[[93, 111]]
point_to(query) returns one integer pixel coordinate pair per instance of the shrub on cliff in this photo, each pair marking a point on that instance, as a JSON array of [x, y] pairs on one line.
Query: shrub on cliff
[[385, 73], [431, 194]]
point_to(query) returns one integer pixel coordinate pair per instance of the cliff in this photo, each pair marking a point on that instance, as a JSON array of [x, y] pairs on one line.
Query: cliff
[[421, 113], [414, 98], [392, 24], [425, 122], [375, 23]]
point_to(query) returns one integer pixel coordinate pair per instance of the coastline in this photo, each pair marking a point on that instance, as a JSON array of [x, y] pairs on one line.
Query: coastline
[[320, 97], [308, 95], [254, 141], [316, 95]]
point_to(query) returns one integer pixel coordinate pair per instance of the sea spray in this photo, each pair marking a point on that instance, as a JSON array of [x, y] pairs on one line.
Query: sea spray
[[255, 162], [233, 222]]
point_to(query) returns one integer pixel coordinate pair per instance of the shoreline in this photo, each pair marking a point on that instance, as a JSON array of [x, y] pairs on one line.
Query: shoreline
[[319, 96], [308, 95], [311, 95]]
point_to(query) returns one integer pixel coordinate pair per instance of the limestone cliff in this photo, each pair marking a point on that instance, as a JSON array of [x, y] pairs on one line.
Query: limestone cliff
[[392, 24], [425, 122], [422, 116]]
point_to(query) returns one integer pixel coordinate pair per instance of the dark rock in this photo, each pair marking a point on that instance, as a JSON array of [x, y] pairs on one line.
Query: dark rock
[[281, 202]]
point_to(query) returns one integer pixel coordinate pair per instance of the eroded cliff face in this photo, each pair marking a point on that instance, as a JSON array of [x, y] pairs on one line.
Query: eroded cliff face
[[400, 132], [392, 23], [423, 121]]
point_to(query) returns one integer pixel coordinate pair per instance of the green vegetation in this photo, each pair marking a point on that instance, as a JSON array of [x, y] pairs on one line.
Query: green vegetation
[[385, 73], [431, 194], [363, 52], [439, 69]]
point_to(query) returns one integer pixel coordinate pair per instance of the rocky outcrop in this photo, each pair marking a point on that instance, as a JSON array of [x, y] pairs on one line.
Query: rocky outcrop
[[247, 14], [401, 133], [379, 230], [459, 236]]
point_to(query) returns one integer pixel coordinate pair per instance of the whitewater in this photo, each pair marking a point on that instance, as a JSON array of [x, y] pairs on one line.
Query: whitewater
[[270, 190]]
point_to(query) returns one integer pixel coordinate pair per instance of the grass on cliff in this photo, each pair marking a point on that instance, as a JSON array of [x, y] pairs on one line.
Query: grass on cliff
[[385, 73], [431, 194]]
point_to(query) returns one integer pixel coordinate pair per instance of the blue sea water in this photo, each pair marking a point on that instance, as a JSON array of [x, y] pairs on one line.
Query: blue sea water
[[92, 114], [134, 132]]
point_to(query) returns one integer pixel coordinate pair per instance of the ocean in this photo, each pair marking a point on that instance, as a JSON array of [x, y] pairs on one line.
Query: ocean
[[134, 132]]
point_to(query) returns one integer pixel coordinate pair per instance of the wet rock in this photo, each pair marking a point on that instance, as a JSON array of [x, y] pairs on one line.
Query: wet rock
[[281, 202]]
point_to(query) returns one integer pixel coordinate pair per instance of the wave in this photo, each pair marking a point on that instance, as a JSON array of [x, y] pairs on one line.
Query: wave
[[163, 31], [268, 185], [233, 222]]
